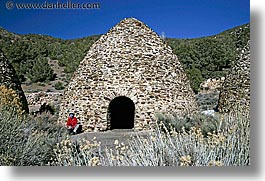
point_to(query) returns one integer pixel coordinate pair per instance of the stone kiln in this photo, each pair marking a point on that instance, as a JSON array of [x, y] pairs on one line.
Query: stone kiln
[[235, 92], [9, 79], [128, 75]]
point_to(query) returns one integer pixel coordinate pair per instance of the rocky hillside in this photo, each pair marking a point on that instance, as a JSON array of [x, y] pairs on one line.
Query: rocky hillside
[[41, 61]]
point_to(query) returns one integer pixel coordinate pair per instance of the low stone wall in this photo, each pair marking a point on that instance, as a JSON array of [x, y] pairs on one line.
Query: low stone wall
[[39, 99]]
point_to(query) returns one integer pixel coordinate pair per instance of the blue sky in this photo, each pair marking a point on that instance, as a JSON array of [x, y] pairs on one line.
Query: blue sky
[[176, 18]]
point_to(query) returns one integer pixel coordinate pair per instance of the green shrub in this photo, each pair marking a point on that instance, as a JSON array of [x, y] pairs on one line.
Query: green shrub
[[47, 108], [41, 84], [195, 77], [59, 86]]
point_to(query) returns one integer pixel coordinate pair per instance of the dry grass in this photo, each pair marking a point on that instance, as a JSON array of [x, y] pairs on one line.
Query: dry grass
[[229, 146]]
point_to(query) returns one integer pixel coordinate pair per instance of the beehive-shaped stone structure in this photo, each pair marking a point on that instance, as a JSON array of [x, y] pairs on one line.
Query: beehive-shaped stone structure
[[235, 92], [128, 76], [9, 79]]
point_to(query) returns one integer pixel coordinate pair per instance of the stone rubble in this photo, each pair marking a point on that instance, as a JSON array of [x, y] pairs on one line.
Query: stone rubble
[[129, 60], [212, 85]]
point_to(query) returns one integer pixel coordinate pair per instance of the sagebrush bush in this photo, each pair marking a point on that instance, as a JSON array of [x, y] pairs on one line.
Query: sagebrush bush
[[10, 100], [177, 123], [76, 153], [25, 140]]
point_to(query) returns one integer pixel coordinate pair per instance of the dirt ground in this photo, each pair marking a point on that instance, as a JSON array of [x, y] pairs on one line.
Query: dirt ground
[[107, 138]]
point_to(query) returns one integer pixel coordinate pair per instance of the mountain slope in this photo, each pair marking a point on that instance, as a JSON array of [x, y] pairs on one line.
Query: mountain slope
[[210, 57], [202, 58]]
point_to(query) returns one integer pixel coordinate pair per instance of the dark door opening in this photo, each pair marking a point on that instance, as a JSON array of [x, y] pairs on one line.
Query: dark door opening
[[121, 113]]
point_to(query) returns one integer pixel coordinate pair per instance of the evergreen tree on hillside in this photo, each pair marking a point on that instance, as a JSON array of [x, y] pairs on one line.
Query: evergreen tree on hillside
[[41, 71], [195, 77]]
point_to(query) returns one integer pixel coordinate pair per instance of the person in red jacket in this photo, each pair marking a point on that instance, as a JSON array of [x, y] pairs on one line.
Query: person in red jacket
[[72, 124]]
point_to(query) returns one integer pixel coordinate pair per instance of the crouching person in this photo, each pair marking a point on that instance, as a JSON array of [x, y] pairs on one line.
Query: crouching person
[[72, 124]]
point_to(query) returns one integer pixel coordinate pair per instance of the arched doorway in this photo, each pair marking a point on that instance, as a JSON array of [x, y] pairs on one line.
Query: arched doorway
[[121, 113]]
